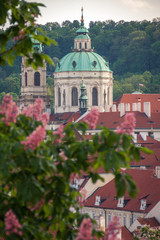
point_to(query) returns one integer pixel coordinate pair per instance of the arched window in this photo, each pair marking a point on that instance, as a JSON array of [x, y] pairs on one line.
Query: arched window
[[108, 97], [64, 97], [80, 45], [36, 79], [25, 79], [59, 97], [94, 97], [85, 45], [74, 96]]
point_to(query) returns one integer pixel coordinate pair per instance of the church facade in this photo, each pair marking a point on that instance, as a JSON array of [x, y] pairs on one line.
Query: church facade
[[82, 63], [33, 83]]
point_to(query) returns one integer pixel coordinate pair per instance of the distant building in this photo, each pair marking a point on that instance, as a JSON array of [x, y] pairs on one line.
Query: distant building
[[102, 203], [33, 83], [136, 100], [82, 62]]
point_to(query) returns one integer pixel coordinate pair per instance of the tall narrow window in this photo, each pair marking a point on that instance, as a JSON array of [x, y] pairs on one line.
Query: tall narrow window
[[109, 218], [59, 97], [80, 45], [104, 97], [25, 79], [85, 45], [108, 97], [64, 97], [124, 219], [36, 79], [94, 97], [74, 96], [130, 219]]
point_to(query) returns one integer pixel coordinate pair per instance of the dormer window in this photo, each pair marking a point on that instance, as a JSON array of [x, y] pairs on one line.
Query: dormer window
[[143, 204], [120, 202], [98, 200]]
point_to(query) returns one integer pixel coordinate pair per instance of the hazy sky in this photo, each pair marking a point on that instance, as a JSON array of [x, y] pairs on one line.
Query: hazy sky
[[94, 10]]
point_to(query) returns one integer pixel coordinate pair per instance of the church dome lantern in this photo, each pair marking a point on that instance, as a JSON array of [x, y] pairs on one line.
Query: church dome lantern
[[83, 60]]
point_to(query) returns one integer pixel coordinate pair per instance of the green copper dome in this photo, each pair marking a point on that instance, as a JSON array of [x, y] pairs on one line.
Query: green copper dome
[[82, 57], [82, 61], [82, 36]]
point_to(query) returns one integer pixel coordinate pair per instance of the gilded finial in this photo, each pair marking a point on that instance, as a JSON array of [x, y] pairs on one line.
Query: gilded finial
[[82, 20]]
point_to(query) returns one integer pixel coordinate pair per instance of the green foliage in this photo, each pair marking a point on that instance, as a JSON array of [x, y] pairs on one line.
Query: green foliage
[[19, 38], [35, 184], [147, 233]]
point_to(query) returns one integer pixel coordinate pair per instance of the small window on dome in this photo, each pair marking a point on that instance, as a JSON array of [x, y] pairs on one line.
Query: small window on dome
[[74, 64], [94, 63], [59, 64]]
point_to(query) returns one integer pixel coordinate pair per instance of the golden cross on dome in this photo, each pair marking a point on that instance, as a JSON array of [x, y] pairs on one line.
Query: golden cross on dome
[[82, 20]]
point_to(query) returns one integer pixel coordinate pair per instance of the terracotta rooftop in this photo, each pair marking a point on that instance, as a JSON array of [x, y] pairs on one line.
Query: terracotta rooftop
[[152, 222], [126, 234], [154, 99], [148, 187], [113, 119], [64, 117]]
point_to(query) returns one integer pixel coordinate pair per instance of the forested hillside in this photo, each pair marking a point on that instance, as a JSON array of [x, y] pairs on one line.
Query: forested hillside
[[132, 49]]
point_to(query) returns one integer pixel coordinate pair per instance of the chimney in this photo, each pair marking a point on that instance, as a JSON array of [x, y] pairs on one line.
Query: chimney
[[120, 202], [157, 170], [134, 106], [107, 108], [143, 204], [98, 201], [127, 106], [114, 108], [147, 108], [139, 106], [122, 109]]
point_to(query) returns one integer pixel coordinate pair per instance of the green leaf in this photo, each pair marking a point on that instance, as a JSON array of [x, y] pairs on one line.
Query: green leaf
[[120, 185], [131, 186], [125, 141], [146, 150], [135, 152]]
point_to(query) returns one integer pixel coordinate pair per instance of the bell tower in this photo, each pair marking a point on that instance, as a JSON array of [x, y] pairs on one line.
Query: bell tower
[[33, 83]]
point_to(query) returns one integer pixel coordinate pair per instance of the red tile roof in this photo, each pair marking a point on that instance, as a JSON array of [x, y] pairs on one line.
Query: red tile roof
[[152, 222], [154, 99], [64, 117], [113, 119], [148, 187], [126, 234]]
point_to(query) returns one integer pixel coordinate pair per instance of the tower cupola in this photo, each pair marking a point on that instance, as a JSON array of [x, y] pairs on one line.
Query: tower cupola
[[83, 100], [82, 41]]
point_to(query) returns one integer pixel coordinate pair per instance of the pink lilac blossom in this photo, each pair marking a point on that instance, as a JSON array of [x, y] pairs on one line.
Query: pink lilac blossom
[[113, 229], [12, 225], [85, 230], [35, 111], [82, 199], [92, 118], [63, 156], [38, 205], [128, 125], [35, 138], [20, 36], [9, 109], [44, 119], [72, 177], [59, 133]]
